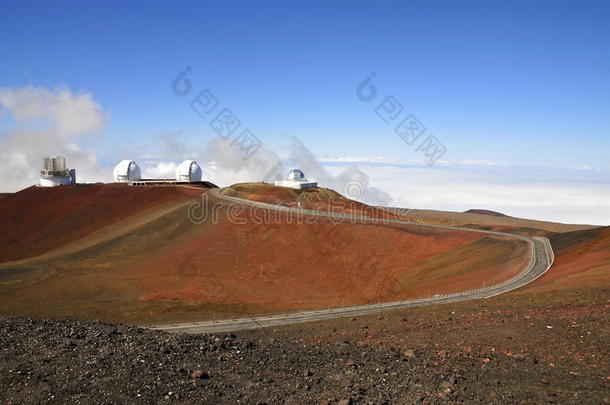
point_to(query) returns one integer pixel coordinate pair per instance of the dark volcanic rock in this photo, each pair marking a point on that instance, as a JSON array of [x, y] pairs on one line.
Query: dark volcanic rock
[[45, 361]]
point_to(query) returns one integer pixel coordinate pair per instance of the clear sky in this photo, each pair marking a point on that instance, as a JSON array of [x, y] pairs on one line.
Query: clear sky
[[517, 83]]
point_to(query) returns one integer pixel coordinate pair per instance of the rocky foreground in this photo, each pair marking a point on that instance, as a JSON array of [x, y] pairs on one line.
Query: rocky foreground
[[355, 361]]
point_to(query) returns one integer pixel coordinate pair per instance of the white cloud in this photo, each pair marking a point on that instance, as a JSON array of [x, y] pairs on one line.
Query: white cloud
[[351, 181], [227, 165], [478, 162], [72, 114], [48, 122], [158, 170], [401, 161]]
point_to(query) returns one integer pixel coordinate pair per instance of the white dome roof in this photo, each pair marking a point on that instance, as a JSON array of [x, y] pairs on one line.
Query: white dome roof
[[296, 175], [189, 171], [126, 170]]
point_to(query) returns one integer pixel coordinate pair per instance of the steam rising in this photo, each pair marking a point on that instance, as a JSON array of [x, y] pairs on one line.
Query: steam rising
[[352, 182], [50, 121], [228, 167], [226, 164]]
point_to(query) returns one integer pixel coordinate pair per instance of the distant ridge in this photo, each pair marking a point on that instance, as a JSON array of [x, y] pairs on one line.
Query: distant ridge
[[485, 212]]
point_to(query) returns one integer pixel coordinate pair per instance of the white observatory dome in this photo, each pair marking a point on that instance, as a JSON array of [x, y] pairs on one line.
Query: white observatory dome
[[189, 171], [296, 175], [296, 179], [126, 170]]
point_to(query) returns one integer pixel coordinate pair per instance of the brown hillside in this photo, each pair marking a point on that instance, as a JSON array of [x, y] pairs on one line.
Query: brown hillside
[[485, 212], [37, 219], [172, 269], [490, 221], [582, 260], [319, 198]]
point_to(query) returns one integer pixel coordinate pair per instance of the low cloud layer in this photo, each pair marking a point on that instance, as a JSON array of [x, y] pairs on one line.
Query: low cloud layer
[[47, 122], [551, 194]]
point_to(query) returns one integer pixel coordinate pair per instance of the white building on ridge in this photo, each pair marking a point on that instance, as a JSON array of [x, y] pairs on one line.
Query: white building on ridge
[[296, 179], [188, 171], [56, 173], [126, 171]]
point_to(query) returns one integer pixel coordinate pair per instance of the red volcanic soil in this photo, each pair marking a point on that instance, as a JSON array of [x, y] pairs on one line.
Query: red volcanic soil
[[582, 260], [172, 269], [36, 219], [322, 199], [485, 212], [288, 265]]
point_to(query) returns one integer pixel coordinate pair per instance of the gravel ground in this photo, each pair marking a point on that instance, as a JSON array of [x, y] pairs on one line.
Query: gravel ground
[[44, 361]]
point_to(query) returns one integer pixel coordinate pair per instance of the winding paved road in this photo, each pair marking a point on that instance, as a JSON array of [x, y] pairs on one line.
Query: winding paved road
[[541, 259]]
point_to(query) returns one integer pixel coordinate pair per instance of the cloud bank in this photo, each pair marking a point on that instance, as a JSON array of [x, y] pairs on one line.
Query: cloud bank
[[47, 123], [550, 194]]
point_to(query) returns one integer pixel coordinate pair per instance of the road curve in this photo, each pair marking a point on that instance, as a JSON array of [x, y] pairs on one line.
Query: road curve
[[541, 259]]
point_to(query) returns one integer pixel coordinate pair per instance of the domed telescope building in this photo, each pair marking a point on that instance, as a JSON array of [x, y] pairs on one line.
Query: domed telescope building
[[188, 171], [296, 179], [56, 173], [126, 171]]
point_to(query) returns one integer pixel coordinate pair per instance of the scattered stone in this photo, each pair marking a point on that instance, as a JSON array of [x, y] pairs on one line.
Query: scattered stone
[[409, 354], [120, 364], [518, 356], [200, 375]]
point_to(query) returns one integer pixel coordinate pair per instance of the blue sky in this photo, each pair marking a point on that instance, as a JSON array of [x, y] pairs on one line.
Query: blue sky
[[519, 84]]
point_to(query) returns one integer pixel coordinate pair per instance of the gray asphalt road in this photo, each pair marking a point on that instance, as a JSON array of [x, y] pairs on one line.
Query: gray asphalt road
[[541, 260]]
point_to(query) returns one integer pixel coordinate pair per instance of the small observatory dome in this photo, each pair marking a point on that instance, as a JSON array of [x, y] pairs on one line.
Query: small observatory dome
[[296, 175], [126, 170], [189, 171], [296, 179]]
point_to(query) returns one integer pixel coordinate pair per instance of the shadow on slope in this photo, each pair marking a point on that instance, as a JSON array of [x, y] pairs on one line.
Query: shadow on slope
[[37, 219]]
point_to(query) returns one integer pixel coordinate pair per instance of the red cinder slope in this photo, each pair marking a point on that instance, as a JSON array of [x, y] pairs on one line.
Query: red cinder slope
[[36, 219], [582, 260], [319, 199], [232, 264]]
